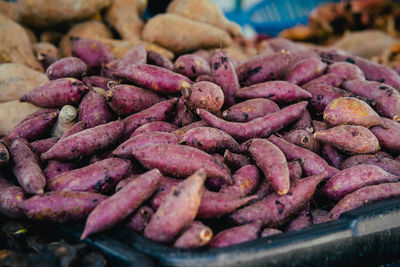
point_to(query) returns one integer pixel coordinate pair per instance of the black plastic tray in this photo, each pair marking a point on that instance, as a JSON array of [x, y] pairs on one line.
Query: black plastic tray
[[366, 236]]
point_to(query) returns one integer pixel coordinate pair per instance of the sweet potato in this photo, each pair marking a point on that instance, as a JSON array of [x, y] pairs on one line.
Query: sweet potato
[[11, 197], [55, 168], [96, 81], [183, 115], [205, 78], [350, 110], [277, 91], [195, 235], [46, 60], [236, 235], [305, 70], [66, 119], [388, 137], [178, 210], [331, 79], [270, 232], [302, 138], [235, 161], [250, 109], [191, 66], [295, 171], [387, 164], [302, 220], [4, 155], [86, 142], [188, 36], [61, 206], [354, 178], [368, 194], [94, 110], [45, 49], [169, 158], [205, 95], [257, 128], [346, 70], [275, 210], [312, 163], [155, 126], [350, 138], [154, 58], [9, 9], [68, 67], [17, 79], [26, 167], [319, 216], [272, 162], [304, 122], [179, 133], [246, 180], [90, 51], [42, 145], [140, 219]]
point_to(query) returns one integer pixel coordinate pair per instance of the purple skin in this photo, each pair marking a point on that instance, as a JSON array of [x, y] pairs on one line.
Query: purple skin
[[214, 184], [264, 189], [100, 156], [387, 164], [164, 189], [332, 155], [38, 113], [99, 177], [155, 126], [56, 93], [302, 220], [194, 236], [11, 197], [368, 194], [26, 167], [278, 44], [4, 154], [385, 98], [384, 154], [295, 171], [33, 128], [61, 206], [158, 112], [93, 110], [68, 67], [257, 128], [154, 58], [180, 161], [236, 235], [270, 159], [304, 122], [319, 216], [127, 99], [136, 55], [41, 146], [235, 161], [349, 138], [210, 140], [140, 219], [124, 182], [155, 78], [354, 178], [331, 79], [250, 109], [204, 54], [46, 60], [246, 180], [191, 66], [277, 91], [184, 116], [346, 70], [306, 70], [270, 232], [178, 210], [123, 203], [85, 142], [180, 133], [388, 137], [137, 142], [224, 73], [92, 52], [302, 138], [96, 81], [263, 67], [275, 210], [205, 78], [55, 168], [205, 95], [312, 163]]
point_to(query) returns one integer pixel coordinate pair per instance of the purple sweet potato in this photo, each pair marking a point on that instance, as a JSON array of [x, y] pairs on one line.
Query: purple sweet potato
[[304, 122], [136, 55], [387, 164], [388, 137], [85, 142], [277, 91], [346, 70], [319, 216], [56, 93], [350, 110], [68, 67], [385, 98], [194, 236], [305, 70], [166, 186], [205, 78], [42, 145], [98, 177], [350, 138], [302, 138], [257, 128], [275, 210], [26, 167], [235, 161], [205, 95], [236, 235], [180, 133], [250, 109], [38, 113], [155, 126], [295, 171], [365, 195], [354, 178], [263, 67], [270, 159], [155, 78], [158, 112], [137, 142], [96, 81], [121, 204], [183, 115], [246, 180], [270, 232], [180, 161], [94, 110], [127, 99], [160, 60], [210, 140], [92, 52], [55, 168], [312, 163], [331, 79], [140, 219], [191, 65], [302, 220], [224, 74], [66, 119], [61, 206], [11, 197], [4, 155], [178, 210]]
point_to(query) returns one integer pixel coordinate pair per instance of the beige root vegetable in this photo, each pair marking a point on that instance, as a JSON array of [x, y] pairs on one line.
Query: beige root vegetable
[[9, 9], [66, 118]]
